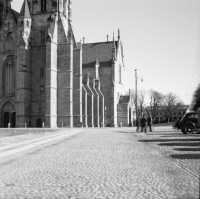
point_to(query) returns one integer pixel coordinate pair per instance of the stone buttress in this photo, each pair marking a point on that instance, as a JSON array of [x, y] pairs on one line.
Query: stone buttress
[[77, 86], [84, 106], [101, 102], [95, 102], [90, 102]]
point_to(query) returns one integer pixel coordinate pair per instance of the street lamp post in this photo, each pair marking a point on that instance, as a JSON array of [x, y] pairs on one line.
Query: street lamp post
[[136, 93], [136, 77], [105, 120]]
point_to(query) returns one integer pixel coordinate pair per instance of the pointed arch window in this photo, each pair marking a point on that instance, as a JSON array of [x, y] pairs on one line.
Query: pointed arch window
[[43, 5], [9, 78], [27, 23], [1, 13], [9, 43], [42, 32]]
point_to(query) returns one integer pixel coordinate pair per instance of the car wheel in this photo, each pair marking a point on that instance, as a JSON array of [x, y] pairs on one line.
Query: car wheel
[[189, 129], [183, 131]]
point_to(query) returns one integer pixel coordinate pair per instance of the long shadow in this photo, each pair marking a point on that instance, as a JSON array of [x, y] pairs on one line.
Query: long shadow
[[181, 135], [187, 149], [170, 140], [158, 130], [165, 134], [180, 144], [124, 132], [185, 156]]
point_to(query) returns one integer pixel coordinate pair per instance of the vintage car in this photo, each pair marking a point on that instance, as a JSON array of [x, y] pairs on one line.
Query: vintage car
[[188, 123]]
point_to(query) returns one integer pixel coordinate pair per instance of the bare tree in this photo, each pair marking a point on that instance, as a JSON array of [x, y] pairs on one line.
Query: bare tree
[[140, 99], [156, 101], [170, 104]]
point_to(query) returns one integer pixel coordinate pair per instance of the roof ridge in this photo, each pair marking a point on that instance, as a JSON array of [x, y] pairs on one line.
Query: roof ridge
[[100, 42]]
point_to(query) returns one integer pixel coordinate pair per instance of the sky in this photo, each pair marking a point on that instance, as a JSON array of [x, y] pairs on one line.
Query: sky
[[161, 39]]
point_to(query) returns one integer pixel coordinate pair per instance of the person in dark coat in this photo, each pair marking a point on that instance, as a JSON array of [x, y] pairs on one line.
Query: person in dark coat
[[149, 122], [143, 123]]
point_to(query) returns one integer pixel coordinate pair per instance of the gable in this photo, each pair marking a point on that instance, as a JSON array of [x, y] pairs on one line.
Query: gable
[[101, 51], [15, 15]]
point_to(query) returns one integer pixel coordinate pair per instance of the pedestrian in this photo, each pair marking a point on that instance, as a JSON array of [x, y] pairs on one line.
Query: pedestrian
[[143, 123], [149, 122]]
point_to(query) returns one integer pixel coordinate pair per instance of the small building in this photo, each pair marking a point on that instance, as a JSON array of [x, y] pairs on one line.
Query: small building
[[166, 114], [125, 111]]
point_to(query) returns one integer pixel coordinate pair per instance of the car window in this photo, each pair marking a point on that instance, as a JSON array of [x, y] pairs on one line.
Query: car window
[[191, 116], [195, 116]]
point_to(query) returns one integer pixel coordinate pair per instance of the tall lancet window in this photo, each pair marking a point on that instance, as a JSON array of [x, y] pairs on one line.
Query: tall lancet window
[[120, 74], [42, 31], [9, 43], [9, 78], [1, 13], [65, 8], [43, 5]]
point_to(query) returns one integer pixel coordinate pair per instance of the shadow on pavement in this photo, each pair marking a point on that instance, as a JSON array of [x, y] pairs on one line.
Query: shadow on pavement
[[180, 144], [185, 156], [182, 135], [124, 131], [160, 130], [165, 134], [187, 149], [170, 140]]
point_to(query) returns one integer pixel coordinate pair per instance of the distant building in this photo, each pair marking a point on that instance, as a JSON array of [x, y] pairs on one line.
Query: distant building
[[164, 113], [125, 110]]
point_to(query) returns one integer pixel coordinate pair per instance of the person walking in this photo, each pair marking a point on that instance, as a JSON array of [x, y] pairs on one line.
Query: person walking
[[149, 122], [143, 124]]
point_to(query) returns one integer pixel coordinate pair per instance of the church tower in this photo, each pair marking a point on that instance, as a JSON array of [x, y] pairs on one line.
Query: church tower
[[52, 53], [24, 67]]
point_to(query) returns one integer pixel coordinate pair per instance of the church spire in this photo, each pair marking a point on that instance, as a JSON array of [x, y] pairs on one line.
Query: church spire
[[25, 12], [24, 21], [70, 10], [118, 34], [113, 41], [113, 49]]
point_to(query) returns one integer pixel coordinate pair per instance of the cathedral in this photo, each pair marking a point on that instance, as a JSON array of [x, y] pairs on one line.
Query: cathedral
[[48, 79]]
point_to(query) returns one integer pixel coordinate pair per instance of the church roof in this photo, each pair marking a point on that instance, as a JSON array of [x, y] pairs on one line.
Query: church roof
[[25, 12], [101, 51], [15, 14], [124, 99]]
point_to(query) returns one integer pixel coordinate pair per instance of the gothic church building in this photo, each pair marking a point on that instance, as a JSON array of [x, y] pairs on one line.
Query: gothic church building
[[47, 78]]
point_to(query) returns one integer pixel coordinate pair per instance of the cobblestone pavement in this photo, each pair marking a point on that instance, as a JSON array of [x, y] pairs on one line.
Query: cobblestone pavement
[[183, 149], [111, 163]]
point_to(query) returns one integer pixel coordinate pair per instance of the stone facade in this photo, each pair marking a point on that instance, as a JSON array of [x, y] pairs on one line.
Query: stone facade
[[104, 61], [50, 80]]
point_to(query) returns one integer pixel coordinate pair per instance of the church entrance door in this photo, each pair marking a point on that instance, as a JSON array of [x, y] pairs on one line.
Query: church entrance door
[[39, 123], [9, 115], [6, 119]]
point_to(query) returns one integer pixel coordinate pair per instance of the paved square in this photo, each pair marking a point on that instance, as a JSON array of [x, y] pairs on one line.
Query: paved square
[[100, 163]]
